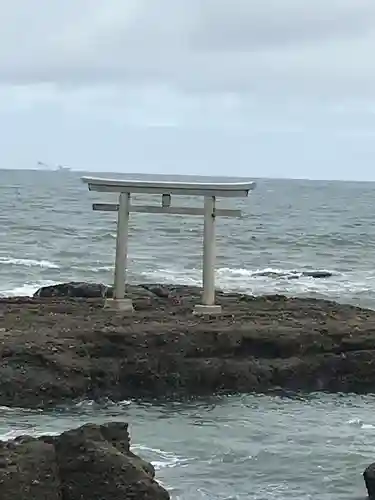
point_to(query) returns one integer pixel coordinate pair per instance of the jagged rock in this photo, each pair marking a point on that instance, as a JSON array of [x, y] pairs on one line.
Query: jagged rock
[[369, 477], [75, 289], [93, 462]]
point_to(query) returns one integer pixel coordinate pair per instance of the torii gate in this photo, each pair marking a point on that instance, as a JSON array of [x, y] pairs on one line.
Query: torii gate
[[208, 190]]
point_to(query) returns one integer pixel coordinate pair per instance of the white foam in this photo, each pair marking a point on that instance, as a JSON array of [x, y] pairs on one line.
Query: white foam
[[343, 286], [164, 459], [272, 273], [355, 422], [45, 264], [173, 275], [268, 280], [223, 273], [90, 405], [240, 278], [102, 268], [25, 290], [7, 436]]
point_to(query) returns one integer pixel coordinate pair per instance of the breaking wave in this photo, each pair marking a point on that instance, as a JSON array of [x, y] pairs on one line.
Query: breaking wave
[[45, 264]]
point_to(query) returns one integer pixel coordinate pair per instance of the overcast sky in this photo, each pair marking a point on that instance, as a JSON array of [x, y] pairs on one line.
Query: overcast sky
[[263, 88]]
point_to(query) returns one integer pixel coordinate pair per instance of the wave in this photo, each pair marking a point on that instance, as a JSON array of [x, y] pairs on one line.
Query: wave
[[44, 264], [356, 287], [276, 273], [92, 269], [273, 273], [193, 276], [26, 290], [104, 236], [100, 269], [160, 459], [357, 422]]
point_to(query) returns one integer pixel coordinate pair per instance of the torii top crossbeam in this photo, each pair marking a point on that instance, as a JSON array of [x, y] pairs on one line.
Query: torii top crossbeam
[[180, 187], [208, 189]]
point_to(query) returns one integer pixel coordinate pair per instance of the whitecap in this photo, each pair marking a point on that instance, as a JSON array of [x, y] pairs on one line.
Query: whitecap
[[89, 404], [355, 421], [16, 409], [272, 273], [45, 264], [7, 436], [101, 269], [25, 290], [174, 275], [163, 459]]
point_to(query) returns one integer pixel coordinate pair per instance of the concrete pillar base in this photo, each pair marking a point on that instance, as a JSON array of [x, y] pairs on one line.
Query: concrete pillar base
[[123, 305], [203, 310]]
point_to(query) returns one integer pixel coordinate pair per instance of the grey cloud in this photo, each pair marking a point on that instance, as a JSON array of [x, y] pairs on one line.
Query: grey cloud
[[294, 46], [249, 25]]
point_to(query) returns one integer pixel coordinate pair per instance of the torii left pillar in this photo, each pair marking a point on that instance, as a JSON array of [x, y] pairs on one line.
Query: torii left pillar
[[119, 301]]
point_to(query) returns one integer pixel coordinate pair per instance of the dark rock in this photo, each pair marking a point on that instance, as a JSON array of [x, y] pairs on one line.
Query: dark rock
[[54, 351], [90, 463], [369, 477], [81, 290], [159, 291], [74, 289], [293, 275], [317, 274]]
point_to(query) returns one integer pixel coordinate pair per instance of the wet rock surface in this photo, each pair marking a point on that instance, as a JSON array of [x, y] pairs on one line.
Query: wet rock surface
[[77, 289], [369, 477], [55, 350], [90, 463]]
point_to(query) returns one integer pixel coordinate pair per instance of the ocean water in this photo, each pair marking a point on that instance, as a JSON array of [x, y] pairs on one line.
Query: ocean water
[[253, 447], [237, 448]]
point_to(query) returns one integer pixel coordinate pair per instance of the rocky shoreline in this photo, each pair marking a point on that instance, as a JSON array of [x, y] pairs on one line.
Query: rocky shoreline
[[92, 462], [61, 346]]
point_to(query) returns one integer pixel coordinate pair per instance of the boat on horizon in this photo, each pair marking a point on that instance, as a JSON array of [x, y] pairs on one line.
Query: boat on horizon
[[58, 168]]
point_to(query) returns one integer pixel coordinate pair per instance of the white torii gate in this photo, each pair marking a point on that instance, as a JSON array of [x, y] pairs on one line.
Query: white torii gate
[[209, 190]]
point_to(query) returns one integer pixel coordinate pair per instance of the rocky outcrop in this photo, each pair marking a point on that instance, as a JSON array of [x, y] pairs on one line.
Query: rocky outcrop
[[57, 350], [75, 289], [90, 463], [83, 290]]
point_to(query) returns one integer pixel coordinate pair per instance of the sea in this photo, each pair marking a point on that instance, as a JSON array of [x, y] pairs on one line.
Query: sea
[[237, 447]]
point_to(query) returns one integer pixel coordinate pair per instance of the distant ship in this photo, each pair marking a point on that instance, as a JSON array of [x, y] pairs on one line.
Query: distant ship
[[59, 168]]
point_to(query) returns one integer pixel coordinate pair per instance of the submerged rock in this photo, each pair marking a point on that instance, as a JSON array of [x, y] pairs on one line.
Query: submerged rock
[[93, 462], [317, 274], [293, 275], [58, 350]]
